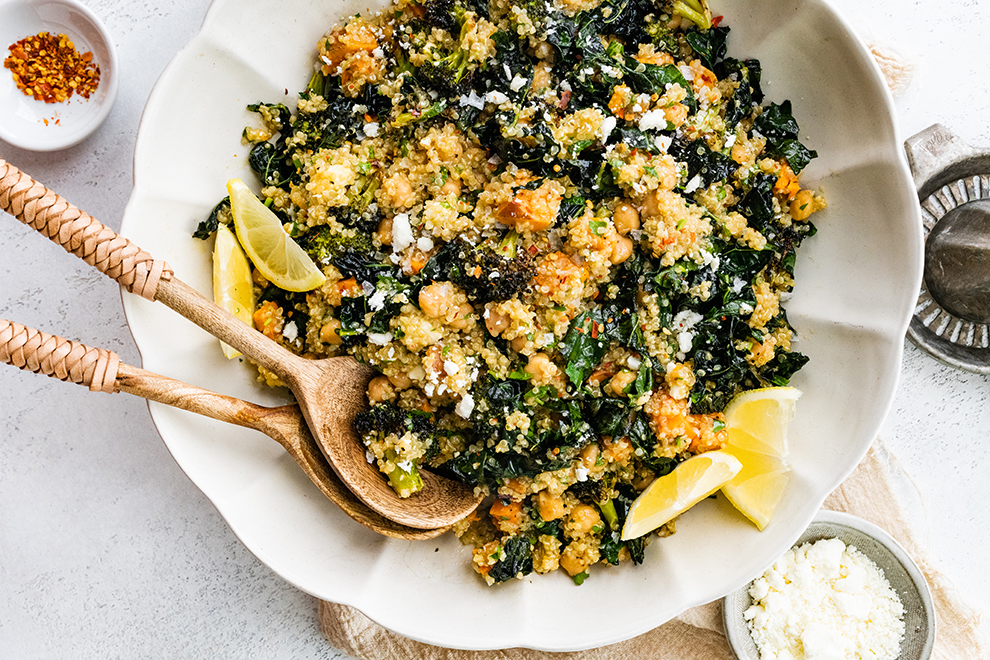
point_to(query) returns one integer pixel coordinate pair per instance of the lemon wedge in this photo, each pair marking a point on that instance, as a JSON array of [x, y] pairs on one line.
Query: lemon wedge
[[233, 289], [756, 425], [272, 251], [673, 494]]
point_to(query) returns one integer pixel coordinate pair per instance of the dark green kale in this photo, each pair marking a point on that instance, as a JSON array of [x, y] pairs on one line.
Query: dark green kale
[[778, 125], [516, 558], [701, 161], [708, 45], [747, 95], [757, 205], [220, 215]]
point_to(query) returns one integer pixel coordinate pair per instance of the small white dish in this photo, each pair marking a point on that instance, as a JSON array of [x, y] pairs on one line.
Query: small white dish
[[40, 126], [903, 574]]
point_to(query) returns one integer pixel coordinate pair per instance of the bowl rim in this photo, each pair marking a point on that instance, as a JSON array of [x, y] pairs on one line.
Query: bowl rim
[[108, 76], [736, 633], [160, 417]]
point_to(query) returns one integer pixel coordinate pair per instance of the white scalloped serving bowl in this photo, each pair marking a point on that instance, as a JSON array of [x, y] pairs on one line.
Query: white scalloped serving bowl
[[857, 283]]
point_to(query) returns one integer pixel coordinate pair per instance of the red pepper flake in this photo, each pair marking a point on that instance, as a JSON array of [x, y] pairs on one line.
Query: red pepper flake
[[594, 330], [717, 20], [49, 68]]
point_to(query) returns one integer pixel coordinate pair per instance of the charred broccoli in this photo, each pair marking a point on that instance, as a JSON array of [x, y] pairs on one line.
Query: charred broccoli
[[325, 244], [386, 419], [489, 272]]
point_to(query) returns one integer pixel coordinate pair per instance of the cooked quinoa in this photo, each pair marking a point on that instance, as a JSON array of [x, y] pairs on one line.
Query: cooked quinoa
[[561, 230]]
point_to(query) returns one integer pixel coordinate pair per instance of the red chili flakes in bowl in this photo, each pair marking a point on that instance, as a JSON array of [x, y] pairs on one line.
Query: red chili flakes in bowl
[[49, 68]]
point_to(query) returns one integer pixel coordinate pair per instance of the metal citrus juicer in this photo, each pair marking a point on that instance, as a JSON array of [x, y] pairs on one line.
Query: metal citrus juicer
[[952, 318]]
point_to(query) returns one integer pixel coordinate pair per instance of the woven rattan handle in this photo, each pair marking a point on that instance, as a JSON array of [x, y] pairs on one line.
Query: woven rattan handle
[[79, 233], [42, 353]]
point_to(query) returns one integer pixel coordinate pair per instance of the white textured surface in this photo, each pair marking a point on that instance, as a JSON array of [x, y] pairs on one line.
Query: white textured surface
[[107, 550]]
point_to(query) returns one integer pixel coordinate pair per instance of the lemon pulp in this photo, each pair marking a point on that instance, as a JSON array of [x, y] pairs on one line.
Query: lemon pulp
[[271, 250], [673, 494], [233, 289], [756, 427]]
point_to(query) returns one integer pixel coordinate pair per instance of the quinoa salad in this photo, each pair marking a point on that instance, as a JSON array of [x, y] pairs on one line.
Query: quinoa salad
[[561, 230]]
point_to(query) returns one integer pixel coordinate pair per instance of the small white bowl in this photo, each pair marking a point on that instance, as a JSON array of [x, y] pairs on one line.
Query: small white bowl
[[901, 572], [40, 126]]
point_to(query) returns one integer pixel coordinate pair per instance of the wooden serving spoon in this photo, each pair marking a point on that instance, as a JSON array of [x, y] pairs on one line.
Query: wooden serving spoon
[[329, 391], [102, 371]]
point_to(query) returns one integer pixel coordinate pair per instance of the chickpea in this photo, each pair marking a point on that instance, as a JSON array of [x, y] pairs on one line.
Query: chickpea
[[519, 343], [384, 232], [621, 381], [400, 380], [803, 205], [543, 51], [622, 249], [625, 218], [400, 192], [651, 204], [497, 322], [464, 312], [540, 367], [436, 299], [589, 456], [328, 333], [452, 187], [572, 562], [581, 520], [550, 506], [380, 389], [450, 150]]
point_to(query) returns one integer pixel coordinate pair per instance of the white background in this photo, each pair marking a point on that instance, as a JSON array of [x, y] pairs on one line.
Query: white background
[[108, 551]]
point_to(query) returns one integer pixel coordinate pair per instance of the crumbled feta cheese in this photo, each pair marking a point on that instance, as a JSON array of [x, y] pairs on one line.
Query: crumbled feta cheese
[[693, 184], [451, 367], [402, 236], [368, 456], [371, 129], [291, 331], [376, 301], [730, 140], [608, 125], [473, 100], [379, 339], [652, 120], [517, 83], [825, 601], [687, 72], [496, 97], [425, 243], [581, 473], [465, 406]]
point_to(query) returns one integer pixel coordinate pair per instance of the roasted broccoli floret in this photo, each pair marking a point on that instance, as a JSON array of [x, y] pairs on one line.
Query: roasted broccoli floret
[[325, 244], [449, 70], [661, 36], [492, 272], [384, 419]]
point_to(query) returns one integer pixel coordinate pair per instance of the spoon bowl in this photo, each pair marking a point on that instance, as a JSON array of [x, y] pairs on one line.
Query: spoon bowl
[[329, 391]]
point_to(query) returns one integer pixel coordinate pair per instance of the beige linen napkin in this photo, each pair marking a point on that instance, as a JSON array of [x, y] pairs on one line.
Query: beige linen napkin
[[697, 634]]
